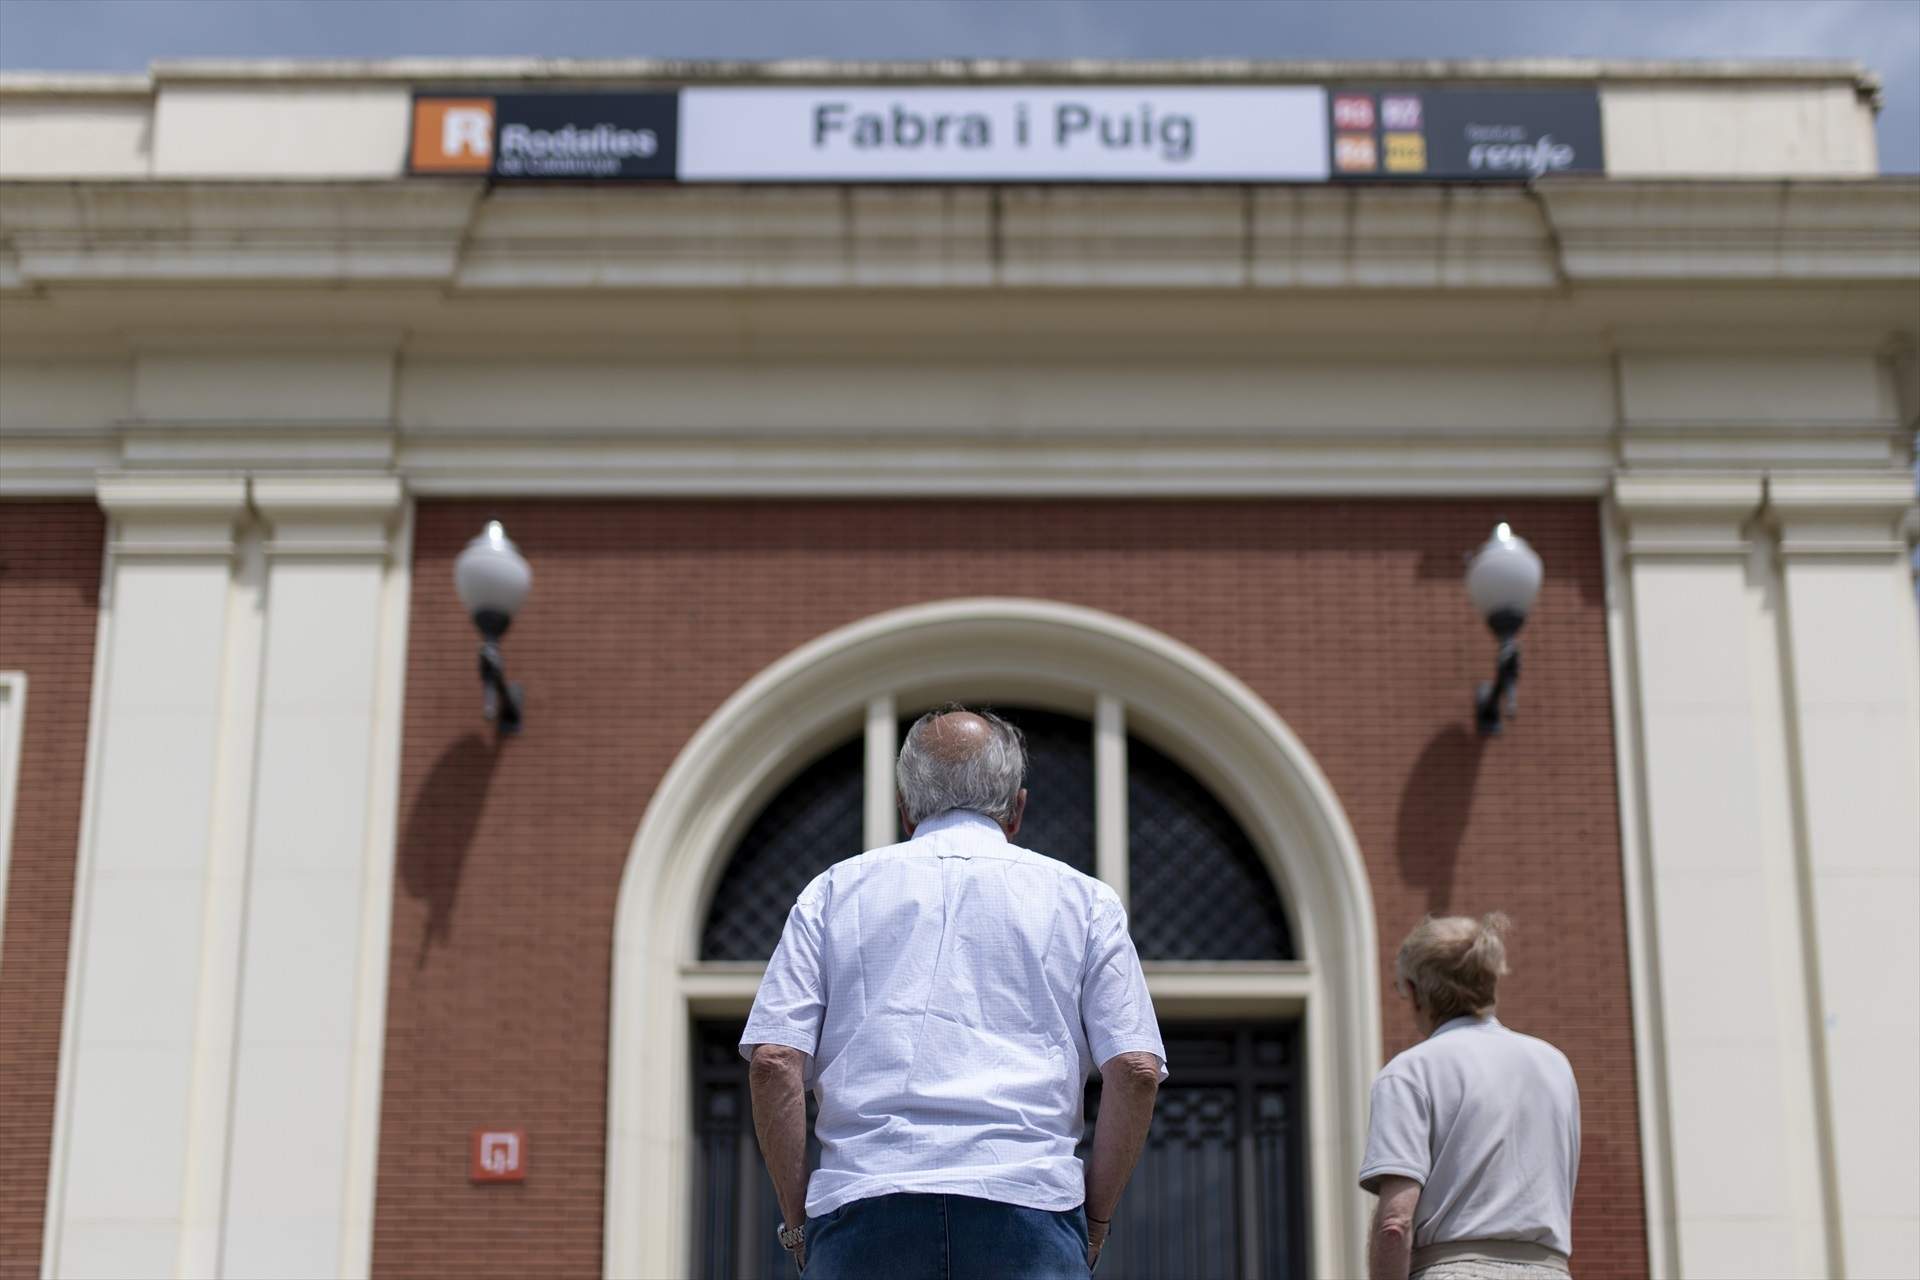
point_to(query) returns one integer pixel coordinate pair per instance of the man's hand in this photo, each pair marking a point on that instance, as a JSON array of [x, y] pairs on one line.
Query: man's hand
[[1096, 1241]]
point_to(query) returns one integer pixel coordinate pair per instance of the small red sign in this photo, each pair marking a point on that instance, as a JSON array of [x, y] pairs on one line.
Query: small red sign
[[498, 1155], [1352, 111]]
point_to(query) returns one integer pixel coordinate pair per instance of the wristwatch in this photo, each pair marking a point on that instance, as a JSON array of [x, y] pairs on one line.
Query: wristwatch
[[793, 1239]]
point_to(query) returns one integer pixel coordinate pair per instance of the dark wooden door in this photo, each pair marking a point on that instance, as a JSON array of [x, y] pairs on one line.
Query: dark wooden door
[[1217, 1195]]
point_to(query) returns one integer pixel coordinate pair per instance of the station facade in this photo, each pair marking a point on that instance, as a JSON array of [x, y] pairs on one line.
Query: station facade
[[1157, 404]]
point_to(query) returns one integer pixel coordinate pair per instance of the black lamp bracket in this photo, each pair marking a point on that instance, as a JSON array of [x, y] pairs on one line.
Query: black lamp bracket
[[1501, 695], [502, 701]]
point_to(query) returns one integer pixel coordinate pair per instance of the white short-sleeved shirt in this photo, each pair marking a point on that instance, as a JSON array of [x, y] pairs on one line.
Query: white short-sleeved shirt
[[955, 993], [1487, 1121]]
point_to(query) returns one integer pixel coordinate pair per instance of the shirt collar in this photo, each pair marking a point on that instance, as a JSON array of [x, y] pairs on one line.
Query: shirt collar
[[960, 820], [1464, 1020]]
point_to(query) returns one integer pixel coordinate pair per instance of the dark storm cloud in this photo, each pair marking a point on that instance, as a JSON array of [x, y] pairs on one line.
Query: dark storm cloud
[[127, 34]]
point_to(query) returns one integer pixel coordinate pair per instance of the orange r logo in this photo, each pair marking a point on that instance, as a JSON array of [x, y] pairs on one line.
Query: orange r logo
[[452, 135]]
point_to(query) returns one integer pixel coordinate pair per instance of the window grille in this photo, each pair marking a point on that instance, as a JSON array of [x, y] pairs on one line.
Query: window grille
[[814, 822], [1199, 888]]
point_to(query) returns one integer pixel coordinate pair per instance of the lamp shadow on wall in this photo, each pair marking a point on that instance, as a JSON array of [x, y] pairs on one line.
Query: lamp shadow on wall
[[1434, 808], [440, 829]]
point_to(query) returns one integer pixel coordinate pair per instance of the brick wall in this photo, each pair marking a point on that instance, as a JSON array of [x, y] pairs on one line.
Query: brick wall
[[1348, 617], [49, 601]]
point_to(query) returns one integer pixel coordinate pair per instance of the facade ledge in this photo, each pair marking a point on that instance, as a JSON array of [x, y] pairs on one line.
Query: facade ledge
[[1867, 229], [1449, 238]]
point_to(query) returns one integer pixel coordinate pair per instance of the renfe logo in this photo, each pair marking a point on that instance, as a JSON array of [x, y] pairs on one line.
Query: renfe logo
[[452, 135], [1541, 156], [498, 1155]]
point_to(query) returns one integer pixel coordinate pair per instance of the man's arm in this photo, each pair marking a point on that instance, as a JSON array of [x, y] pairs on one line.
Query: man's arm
[[1390, 1243], [1128, 1084], [777, 1078]]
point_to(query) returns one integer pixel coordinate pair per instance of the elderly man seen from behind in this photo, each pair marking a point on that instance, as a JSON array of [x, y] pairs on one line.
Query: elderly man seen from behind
[[1475, 1138], [946, 1000]]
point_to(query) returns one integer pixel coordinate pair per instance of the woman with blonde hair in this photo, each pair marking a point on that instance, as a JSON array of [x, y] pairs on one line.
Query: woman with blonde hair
[[1475, 1137]]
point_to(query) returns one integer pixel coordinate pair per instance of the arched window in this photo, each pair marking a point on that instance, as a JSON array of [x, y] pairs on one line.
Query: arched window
[[1200, 890], [1219, 1190], [1207, 816]]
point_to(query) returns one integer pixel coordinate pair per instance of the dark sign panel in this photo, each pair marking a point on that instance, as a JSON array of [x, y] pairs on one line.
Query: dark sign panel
[[1463, 134], [548, 136], [1162, 134]]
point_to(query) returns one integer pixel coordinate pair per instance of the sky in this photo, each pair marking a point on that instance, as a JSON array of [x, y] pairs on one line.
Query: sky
[[125, 35]]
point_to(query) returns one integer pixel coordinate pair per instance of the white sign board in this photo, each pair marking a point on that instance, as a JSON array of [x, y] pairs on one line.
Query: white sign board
[[1144, 133]]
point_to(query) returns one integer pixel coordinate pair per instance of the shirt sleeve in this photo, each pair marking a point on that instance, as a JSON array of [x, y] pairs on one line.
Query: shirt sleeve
[[793, 994], [1400, 1134], [1115, 1009]]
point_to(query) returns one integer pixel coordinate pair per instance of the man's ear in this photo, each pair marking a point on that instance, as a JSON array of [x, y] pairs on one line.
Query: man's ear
[[906, 823], [1012, 828]]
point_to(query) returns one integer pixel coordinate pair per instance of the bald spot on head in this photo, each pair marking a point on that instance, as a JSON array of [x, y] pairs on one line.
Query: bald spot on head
[[956, 736]]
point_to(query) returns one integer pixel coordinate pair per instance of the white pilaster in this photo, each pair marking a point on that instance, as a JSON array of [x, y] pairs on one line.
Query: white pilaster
[[1853, 649], [219, 1090], [156, 880], [13, 711], [317, 845], [1723, 934], [1110, 793], [882, 818]]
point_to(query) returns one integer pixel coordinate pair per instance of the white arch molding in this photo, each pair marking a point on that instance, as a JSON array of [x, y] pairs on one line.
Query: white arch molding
[[818, 694]]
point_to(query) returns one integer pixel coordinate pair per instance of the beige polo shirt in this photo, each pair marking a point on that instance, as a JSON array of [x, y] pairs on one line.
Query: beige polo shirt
[[1487, 1121]]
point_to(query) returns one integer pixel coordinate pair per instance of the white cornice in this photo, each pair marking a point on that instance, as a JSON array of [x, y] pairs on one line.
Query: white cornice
[[220, 233], [1442, 238], [1170, 467], [1745, 231]]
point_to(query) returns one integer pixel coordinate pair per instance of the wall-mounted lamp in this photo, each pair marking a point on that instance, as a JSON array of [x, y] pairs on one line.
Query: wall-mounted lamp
[[493, 578], [1502, 579]]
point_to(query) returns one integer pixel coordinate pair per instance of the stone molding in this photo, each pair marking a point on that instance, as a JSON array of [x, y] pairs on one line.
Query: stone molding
[[332, 517], [173, 515], [1860, 515], [1687, 516], [459, 234]]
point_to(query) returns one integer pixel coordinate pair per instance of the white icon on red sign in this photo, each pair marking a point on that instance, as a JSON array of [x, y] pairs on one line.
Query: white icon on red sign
[[1352, 111], [1355, 153], [498, 1155], [1400, 111]]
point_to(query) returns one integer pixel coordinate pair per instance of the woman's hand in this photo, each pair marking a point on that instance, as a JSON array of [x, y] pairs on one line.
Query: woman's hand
[[1096, 1241]]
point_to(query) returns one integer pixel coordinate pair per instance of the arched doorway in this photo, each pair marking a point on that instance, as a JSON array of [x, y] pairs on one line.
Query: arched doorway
[[829, 712]]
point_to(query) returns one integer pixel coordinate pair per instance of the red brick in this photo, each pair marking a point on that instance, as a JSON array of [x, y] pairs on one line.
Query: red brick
[[50, 555], [1348, 617]]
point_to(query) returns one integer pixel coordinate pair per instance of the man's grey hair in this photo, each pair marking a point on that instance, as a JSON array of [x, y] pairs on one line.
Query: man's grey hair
[[939, 771]]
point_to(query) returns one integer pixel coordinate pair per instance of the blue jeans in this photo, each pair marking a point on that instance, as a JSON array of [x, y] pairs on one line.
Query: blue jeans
[[940, 1237]]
